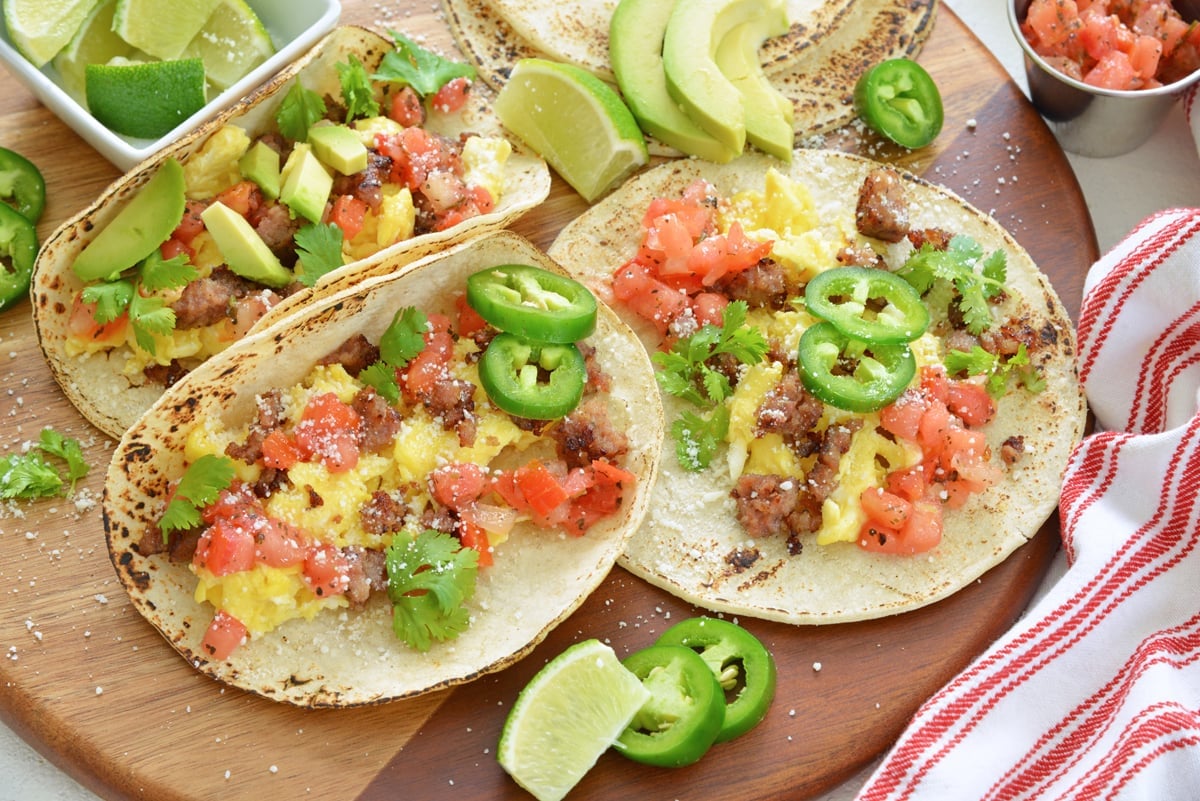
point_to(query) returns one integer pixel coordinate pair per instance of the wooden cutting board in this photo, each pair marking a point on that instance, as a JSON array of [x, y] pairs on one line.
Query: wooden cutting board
[[96, 689]]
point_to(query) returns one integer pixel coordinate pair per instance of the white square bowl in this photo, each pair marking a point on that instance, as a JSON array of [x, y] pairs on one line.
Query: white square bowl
[[294, 26]]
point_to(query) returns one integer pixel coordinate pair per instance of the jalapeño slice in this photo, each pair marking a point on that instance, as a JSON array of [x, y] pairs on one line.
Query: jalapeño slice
[[681, 719], [533, 303], [873, 305], [898, 99], [21, 185], [18, 250], [851, 374], [742, 665], [536, 380]]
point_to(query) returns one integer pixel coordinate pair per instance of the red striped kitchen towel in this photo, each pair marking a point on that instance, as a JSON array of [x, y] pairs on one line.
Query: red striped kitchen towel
[[1095, 692]]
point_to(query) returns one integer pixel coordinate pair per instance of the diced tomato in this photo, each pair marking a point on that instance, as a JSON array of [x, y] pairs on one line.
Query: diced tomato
[[279, 452], [328, 430], [224, 634], [1144, 57], [326, 570], [469, 320], [495, 519], [457, 485], [709, 308], [885, 508], [921, 532], [348, 213], [602, 498], [1049, 22], [907, 482], [174, 247], [405, 107], [452, 96], [646, 296], [902, 417], [82, 324], [244, 197], [1113, 71], [225, 547], [504, 484], [970, 402], [191, 224], [276, 544], [481, 198], [474, 537], [935, 422], [541, 489], [429, 367], [232, 501]]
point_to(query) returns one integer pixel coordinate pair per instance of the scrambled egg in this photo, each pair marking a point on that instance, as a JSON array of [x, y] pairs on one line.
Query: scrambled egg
[[806, 244], [263, 597]]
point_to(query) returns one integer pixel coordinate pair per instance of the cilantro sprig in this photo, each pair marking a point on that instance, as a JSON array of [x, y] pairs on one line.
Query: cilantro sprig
[[999, 371], [357, 93], [423, 70], [401, 342], [686, 371], [199, 486], [976, 277], [319, 250], [430, 578], [300, 108], [149, 314], [29, 476]]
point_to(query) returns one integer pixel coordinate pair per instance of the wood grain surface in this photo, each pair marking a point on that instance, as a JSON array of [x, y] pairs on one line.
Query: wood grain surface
[[96, 689]]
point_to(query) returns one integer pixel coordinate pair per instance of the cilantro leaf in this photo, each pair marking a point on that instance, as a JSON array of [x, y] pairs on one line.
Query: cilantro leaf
[[957, 265], [383, 378], [998, 371], [685, 370], [158, 273], [404, 337], [199, 486], [423, 70], [28, 476], [356, 89], [300, 108], [430, 578], [66, 448], [150, 316], [319, 246], [697, 438], [111, 299]]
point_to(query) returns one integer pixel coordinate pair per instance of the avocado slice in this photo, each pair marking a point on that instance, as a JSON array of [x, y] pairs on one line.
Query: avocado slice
[[768, 115], [306, 183], [144, 223], [339, 147], [693, 34], [635, 49], [242, 248], [260, 164]]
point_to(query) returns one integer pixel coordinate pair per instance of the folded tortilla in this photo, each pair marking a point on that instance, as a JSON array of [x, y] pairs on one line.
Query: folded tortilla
[[692, 544], [815, 64], [96, 383], [345, 658]]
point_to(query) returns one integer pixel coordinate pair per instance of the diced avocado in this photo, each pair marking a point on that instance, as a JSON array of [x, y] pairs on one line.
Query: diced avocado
[[339, 147], [261, 165], [306, 183], [242, 248], [144, 223], [694, 31], [768, 114], [635, 49]]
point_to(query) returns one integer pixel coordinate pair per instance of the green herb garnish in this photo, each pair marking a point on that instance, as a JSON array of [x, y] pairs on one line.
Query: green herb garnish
[[357, 93], [30, 476], [148, 314], [200, 485], [400, 344], [430, 578], [999, 371], [975, 277], [319, 249], [300, 108], [423, 70]]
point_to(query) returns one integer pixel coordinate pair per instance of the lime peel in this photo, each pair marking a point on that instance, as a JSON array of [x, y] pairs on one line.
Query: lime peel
[[39, 29], [569, 714]]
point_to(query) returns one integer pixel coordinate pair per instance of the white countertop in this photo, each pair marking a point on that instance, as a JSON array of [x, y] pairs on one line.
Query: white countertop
[[1120, 192]]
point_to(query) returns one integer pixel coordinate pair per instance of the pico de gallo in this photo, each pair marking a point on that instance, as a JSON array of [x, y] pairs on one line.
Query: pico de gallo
[[847, 377], [332, 181], [389, 458]]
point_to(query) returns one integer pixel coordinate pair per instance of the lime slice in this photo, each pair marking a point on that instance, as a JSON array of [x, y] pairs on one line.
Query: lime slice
[[575, 121], [93, 43], [232, 42], [569, 714], [161, 28], [41, 28], [146, 99]]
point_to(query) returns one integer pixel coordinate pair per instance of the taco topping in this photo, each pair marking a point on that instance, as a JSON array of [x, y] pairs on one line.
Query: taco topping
[[334, 181], [386, 469], [846, 374]]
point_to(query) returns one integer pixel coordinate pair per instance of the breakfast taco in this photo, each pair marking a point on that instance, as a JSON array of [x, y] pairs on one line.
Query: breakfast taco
[[400, 488], [365, 153], [869, 387], [815, 63]]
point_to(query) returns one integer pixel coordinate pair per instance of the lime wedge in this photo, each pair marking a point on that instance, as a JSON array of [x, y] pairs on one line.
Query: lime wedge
[[232, 42], [161, 28], [569, 714], [146, 99], [93, 43], [41, 28], [575, 121]]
